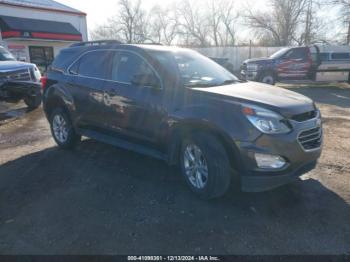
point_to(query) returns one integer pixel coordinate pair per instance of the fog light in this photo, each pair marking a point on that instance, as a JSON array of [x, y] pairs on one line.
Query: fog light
[[269, 161]]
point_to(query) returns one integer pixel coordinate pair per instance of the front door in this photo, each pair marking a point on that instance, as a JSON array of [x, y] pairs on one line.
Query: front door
[[295, 64], [42, 56], [134, 107]]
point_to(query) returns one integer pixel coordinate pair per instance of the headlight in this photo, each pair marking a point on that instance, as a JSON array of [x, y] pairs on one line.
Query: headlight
[[266, 120], [252, 67]]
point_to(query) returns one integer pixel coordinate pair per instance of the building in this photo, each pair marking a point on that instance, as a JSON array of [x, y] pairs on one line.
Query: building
[[36, 30]]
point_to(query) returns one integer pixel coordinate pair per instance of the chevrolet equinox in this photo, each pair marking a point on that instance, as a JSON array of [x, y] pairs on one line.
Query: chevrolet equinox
[[177, 105]]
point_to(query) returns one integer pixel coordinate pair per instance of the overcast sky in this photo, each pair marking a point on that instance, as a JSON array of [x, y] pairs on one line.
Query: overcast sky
[[99, 10]]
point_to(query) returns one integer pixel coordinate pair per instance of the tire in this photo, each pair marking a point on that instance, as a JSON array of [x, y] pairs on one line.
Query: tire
[[62, 129], [218, 176], [268, 79], [33, 102]]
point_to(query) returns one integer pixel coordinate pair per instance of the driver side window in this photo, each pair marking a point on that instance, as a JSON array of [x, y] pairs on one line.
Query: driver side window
[[299, 53], [132, 69]]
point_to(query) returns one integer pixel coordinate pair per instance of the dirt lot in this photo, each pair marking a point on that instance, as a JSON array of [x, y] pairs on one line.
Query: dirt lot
[[102, 200]]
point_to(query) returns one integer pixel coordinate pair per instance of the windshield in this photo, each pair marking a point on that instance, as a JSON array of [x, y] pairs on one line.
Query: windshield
[[6, 55], [195, 69], [279, 53]]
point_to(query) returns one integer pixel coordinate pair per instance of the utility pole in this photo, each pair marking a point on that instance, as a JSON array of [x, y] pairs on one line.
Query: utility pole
[[308, 23], [348, 37], [250, 49]]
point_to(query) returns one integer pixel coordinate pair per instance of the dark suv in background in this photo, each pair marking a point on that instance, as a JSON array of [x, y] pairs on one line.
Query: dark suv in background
[[179, 106]]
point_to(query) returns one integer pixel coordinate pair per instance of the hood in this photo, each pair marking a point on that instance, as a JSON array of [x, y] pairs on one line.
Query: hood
[[259, 60], [13, 65], [280, 100]]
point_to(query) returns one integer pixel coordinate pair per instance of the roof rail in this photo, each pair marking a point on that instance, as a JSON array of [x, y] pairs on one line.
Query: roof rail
[[151, 44], [99, 42]]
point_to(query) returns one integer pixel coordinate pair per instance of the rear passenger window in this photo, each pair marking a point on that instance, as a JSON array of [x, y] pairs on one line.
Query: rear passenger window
[[127, 65], [93, 64], [341, 56]]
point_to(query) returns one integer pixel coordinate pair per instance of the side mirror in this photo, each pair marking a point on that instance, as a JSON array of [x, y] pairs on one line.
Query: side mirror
[[146, 80]]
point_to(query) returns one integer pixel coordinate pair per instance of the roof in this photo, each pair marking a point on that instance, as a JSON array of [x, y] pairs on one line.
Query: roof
[[48, 5], [157, 47], [144, 47], [17, 27]]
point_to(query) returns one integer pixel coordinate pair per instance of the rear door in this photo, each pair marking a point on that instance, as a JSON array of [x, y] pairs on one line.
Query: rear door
[[90, 73], [134, 109], [295, 64]]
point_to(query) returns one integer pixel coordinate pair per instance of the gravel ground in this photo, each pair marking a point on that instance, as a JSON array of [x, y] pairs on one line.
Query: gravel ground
[[102, 200]]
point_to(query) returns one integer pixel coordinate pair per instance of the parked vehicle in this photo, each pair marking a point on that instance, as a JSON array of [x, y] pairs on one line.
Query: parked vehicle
[[179, 106], [299, 63], [224, 62], [19, 80]]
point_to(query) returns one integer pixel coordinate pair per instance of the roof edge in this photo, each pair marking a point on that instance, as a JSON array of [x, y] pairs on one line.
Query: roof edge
[[44, 9]]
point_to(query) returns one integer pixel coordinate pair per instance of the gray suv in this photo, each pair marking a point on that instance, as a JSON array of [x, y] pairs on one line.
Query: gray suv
[[176, 105]]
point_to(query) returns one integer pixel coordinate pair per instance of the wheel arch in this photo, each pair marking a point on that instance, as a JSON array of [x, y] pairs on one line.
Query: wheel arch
[[183, 129], [56, 96]]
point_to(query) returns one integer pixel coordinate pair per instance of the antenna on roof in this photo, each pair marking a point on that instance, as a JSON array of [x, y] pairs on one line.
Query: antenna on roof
[[96, 43]]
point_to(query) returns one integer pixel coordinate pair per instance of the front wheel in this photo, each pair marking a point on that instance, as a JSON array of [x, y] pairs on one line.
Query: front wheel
[[33, 102], [62, 129], [268, 79], [205, 165]]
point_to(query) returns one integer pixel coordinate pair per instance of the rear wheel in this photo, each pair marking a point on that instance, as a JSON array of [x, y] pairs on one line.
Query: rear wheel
[[205, 165], [62, 129]]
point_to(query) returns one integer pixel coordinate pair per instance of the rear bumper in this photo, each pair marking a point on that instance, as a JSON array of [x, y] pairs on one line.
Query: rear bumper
[[18, 89]]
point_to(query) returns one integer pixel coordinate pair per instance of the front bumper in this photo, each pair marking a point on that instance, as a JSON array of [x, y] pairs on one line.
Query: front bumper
[[18, 89], [265, 182], [299, 159], [249, 75]]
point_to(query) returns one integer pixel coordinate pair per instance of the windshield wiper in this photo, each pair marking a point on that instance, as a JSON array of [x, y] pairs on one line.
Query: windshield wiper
[[201, 85], [227, 82], [230, 81]]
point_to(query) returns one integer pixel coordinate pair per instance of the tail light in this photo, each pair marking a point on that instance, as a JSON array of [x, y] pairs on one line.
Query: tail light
[[43, 81]]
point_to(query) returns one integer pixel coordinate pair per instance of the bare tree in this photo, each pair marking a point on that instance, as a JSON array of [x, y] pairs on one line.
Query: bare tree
[[213, 23], [344, 10], [163, 25], [280, 22], [312, 27], [129, 25], [214, 19], [132, 21], [193, 27], [229, 20], [106, 31]]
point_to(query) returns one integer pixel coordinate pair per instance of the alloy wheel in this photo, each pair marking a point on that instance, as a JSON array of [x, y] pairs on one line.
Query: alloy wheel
[[196, 167], [60, 129]]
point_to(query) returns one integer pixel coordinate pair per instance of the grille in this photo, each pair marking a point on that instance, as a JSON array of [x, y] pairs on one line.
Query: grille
[[305, 116], [311, 139], [17, 75]]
